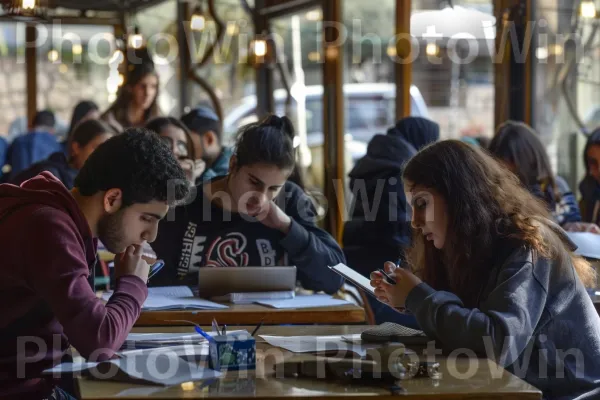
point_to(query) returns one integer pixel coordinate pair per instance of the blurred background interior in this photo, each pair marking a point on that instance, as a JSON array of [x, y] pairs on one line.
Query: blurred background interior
[[249, 58]]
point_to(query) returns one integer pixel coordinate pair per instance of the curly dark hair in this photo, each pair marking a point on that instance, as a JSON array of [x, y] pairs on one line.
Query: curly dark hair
[[138, 163]]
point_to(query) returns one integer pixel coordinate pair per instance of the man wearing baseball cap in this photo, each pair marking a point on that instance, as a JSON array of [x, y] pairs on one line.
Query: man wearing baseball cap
[[206, 133]]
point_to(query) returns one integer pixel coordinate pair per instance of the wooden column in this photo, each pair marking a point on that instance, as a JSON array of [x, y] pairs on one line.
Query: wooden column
[[513, 73], [31, 71], [185, 62], [333, 115], [403, 71], [265, 103]]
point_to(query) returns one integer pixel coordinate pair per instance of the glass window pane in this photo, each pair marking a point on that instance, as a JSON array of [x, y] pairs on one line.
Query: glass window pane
[[73, 66], [455, 77], [13, 90]]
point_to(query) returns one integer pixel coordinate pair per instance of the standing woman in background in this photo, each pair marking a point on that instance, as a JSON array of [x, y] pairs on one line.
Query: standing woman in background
[[136, 103]]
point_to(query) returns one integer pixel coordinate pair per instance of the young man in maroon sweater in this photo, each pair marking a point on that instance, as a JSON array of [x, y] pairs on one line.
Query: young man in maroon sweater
[[49, 237]]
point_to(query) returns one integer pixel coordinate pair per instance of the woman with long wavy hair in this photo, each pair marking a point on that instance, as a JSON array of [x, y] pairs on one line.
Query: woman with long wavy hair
[[494, 274]]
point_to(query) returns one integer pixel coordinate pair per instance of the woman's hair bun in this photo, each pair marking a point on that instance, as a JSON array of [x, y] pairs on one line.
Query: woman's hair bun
[[282, 123]]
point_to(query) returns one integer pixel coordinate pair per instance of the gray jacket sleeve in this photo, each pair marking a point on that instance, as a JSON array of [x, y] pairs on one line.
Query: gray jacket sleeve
[[500, 329], [310, 248]]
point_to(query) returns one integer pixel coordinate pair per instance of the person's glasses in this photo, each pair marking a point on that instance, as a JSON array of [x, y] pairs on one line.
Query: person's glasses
[[178, 147]]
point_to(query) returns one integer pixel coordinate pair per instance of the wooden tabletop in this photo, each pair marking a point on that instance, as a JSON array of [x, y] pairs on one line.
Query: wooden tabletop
[[462, 378], [252, 314]]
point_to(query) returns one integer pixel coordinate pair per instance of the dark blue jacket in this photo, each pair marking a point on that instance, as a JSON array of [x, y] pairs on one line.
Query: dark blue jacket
[[57, 164], [564, 211], [380, 217], [219, 168], [30, 148]]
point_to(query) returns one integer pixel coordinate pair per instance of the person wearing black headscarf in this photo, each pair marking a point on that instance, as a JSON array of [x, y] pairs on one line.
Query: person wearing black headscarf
[[379, 229]]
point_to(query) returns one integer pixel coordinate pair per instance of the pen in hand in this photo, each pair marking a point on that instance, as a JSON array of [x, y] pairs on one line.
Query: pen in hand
[[388, 278]]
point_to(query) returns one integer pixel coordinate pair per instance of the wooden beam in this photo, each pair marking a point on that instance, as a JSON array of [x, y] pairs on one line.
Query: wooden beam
[[403, 70], [185, 61], [278, 8], [265, 103], [333, 115], [514, 81], [31, 71]]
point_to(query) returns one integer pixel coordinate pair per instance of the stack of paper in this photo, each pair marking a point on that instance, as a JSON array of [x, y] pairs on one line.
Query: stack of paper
[[173, 298], [318, 344], [309, 301], [253, 297], [150, 340], [164, 369]]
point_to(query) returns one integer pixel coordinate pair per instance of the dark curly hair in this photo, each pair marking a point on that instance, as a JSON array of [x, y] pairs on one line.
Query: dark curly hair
[[138, 163]]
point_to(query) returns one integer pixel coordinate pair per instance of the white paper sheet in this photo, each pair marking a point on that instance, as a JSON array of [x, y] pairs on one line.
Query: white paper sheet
[[316, 344], [158, 368], [310, 301], [173, 298], [588, 244]]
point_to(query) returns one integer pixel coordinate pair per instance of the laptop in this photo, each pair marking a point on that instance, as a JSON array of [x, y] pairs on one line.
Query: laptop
[[222, 281]]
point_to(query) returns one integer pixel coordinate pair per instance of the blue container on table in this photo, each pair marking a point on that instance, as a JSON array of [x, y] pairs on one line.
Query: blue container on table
[[232, 352]]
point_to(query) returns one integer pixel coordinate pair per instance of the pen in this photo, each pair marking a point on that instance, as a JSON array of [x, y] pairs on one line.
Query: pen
[[257, 327], [388, 278], [215, 326], [206, 335], [155, 268], [224, 332]]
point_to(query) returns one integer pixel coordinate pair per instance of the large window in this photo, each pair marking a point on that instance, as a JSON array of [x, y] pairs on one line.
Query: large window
[[453, 70], [567, 77], [13, 91], [158, 26], [72, 66]]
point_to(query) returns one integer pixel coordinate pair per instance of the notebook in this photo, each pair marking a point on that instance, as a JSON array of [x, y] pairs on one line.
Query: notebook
[[173, 298], [158, 368], [309, 301], [252, 297], [223, 281]]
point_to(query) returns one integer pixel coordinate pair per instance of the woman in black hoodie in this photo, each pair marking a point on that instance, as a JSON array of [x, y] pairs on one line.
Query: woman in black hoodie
[[379, 229]]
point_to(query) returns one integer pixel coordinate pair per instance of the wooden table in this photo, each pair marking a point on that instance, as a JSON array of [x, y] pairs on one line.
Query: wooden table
[[252, 314], [263, 385]]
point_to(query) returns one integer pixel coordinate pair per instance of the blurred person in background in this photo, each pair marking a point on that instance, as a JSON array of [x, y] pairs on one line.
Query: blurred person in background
[[137, 101], [177, 137], [83, 111], [36, 145], [206, 134], [590, 185], [86, 137], [379, 230], [520, 149]]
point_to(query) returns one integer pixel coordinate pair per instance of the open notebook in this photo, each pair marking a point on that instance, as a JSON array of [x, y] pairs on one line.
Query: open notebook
[[173, 298]]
